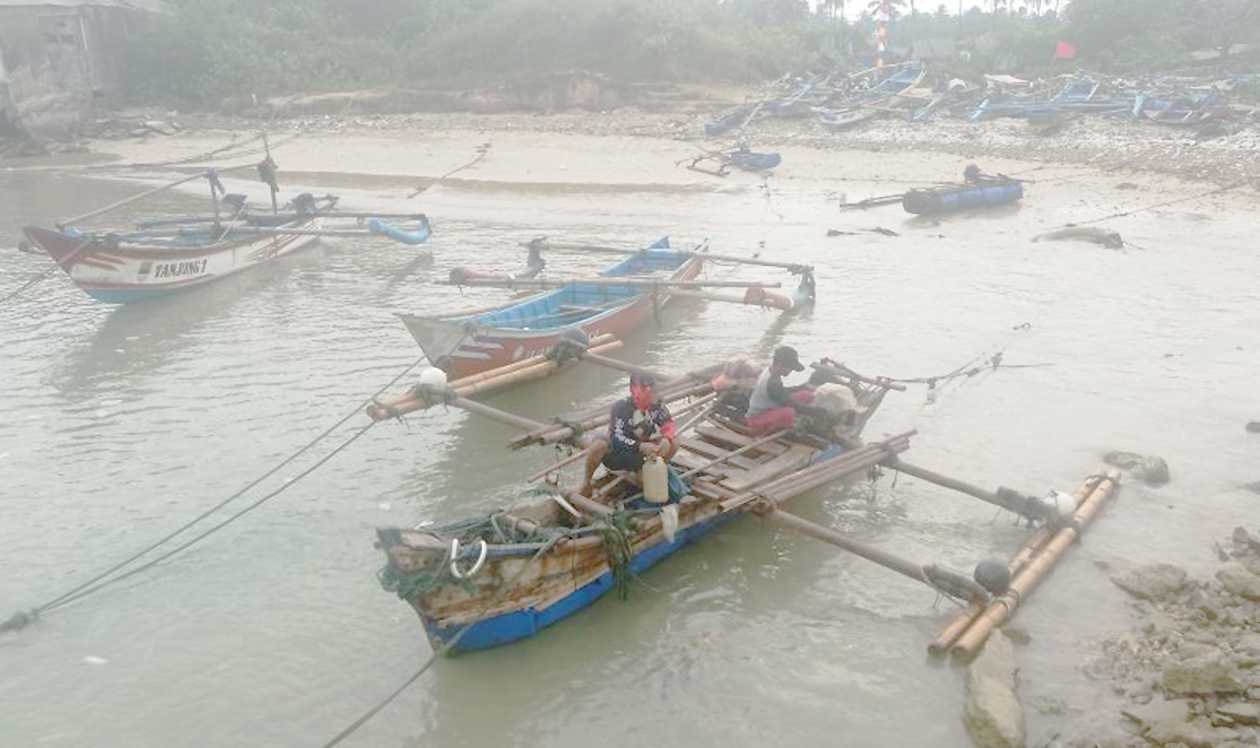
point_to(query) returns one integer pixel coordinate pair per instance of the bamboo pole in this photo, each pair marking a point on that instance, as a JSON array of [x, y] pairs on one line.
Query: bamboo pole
[[629, 368], [780, 489], [481, 409], [725, 458], [920, 573], [962, 621], [535, 367], [578, 247], [765, 301], [1012, 501], [1023, 585], [147, 193], [506, 282], [580, 454], [840, 370]]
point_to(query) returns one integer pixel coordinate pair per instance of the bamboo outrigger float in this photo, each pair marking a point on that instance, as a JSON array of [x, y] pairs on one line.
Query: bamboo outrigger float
[[502, 577]]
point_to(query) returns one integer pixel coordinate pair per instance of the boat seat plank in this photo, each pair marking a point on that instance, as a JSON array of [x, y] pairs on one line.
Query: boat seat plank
[[795, 458], [724, 435]]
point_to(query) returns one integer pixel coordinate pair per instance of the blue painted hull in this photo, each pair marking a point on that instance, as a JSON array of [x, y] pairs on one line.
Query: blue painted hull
[[925, 202], [522, 624]]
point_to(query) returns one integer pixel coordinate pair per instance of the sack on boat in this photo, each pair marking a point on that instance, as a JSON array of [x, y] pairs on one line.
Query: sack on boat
[[836, 399]]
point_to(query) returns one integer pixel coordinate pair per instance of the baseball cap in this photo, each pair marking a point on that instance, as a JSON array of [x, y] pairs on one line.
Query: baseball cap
[[785, 355]]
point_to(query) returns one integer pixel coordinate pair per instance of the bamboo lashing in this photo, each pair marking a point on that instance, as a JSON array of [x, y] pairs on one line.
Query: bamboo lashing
[[535, 367], [506, 282], [793, 484], [795, 267], [1035, 571], [941, 644]]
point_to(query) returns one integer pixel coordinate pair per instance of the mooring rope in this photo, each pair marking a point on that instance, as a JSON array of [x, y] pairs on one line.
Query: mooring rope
[[442, 651], [482, 150], [1166, 203], [102, 579], [57, 264]]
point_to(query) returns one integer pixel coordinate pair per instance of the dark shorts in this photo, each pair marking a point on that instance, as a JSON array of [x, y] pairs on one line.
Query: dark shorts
[[623, 459]]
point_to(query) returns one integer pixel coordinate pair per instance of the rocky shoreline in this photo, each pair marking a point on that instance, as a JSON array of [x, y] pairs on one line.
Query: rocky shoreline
[[1191, 673], [1226, 157]]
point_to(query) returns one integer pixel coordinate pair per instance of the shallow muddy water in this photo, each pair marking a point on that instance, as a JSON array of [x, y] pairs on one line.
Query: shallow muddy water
[[118, 424]]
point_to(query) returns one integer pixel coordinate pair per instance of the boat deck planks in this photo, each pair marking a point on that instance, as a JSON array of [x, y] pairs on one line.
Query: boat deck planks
[[795, 457]]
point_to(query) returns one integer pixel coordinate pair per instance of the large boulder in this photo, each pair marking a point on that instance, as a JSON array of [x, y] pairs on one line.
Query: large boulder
[[1149, 469], [993, 714], [1153, 582], [1238, 580]]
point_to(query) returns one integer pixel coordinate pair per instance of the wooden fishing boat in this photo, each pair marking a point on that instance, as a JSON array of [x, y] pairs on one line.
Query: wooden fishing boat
[[496, 579], [499, 578], [164, 257], [466, 344]]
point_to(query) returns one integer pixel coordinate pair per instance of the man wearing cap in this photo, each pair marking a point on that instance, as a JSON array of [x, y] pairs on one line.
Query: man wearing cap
[[638, 426], [772, 407]]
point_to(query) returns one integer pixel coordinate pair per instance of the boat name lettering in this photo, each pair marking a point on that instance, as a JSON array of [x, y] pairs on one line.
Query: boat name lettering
[[177, 269]]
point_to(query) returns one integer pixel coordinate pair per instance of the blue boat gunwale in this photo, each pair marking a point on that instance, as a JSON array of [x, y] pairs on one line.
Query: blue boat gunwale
[[589, 302]]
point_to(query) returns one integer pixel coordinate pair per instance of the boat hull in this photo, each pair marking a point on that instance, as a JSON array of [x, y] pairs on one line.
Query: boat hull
[[927, 202], [463, 347], [123, 272]]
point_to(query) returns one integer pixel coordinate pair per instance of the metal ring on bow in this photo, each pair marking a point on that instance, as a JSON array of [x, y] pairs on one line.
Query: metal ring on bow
[[476, 567]]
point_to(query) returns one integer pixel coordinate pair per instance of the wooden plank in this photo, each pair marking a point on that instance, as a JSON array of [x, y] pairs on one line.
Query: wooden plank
[[726, 436], [795, 458], [690, 461], [712, 451]]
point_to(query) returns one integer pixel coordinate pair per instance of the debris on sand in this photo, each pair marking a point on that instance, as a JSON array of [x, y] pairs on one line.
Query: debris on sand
[[1105, 237]]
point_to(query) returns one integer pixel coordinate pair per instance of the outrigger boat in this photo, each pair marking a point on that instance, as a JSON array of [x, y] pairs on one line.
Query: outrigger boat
[[162, 257], [503, 577], [615, 303]]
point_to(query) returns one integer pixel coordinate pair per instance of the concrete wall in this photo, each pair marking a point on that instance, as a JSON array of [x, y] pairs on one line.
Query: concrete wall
[[61, 61]]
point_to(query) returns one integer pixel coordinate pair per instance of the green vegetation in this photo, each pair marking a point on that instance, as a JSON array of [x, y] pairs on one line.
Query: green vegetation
[[208, 52]]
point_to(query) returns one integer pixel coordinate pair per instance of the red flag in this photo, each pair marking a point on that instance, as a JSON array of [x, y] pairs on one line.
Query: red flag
[[1065, 51]]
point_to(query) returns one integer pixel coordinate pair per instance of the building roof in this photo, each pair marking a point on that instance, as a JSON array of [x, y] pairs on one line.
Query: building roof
[[149, 5]]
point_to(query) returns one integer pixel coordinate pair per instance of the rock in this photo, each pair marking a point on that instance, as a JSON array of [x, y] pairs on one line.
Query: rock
[[1158, 711], [1198, 733], [1253, 487], [992, 713], [1150, 469], [1153, 582], [1239, 580], [1201, 675], [1253, 427], [1243, 714]]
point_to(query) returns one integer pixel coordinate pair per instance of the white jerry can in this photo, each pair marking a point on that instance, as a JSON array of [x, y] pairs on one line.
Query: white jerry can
[[655, 480]]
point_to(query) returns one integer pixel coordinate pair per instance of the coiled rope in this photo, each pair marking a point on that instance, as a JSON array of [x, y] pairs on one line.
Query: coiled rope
[[105, 578]]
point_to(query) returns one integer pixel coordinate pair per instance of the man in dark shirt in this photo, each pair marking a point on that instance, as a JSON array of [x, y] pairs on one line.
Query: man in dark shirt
[[638, 426], [773, 407]]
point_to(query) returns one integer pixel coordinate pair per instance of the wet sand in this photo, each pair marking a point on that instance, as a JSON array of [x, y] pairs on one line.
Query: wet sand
[[120, 423]]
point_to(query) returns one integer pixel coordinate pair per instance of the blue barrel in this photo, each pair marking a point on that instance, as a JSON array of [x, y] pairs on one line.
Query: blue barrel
[[950, 199]]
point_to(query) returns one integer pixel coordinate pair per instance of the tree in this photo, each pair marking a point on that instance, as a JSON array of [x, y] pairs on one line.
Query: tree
[[1220, 24]]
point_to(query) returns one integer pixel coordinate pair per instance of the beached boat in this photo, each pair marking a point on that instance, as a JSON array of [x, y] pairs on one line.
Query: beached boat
[[982, 194], [168, 256], [467, 344], [500, 578]]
